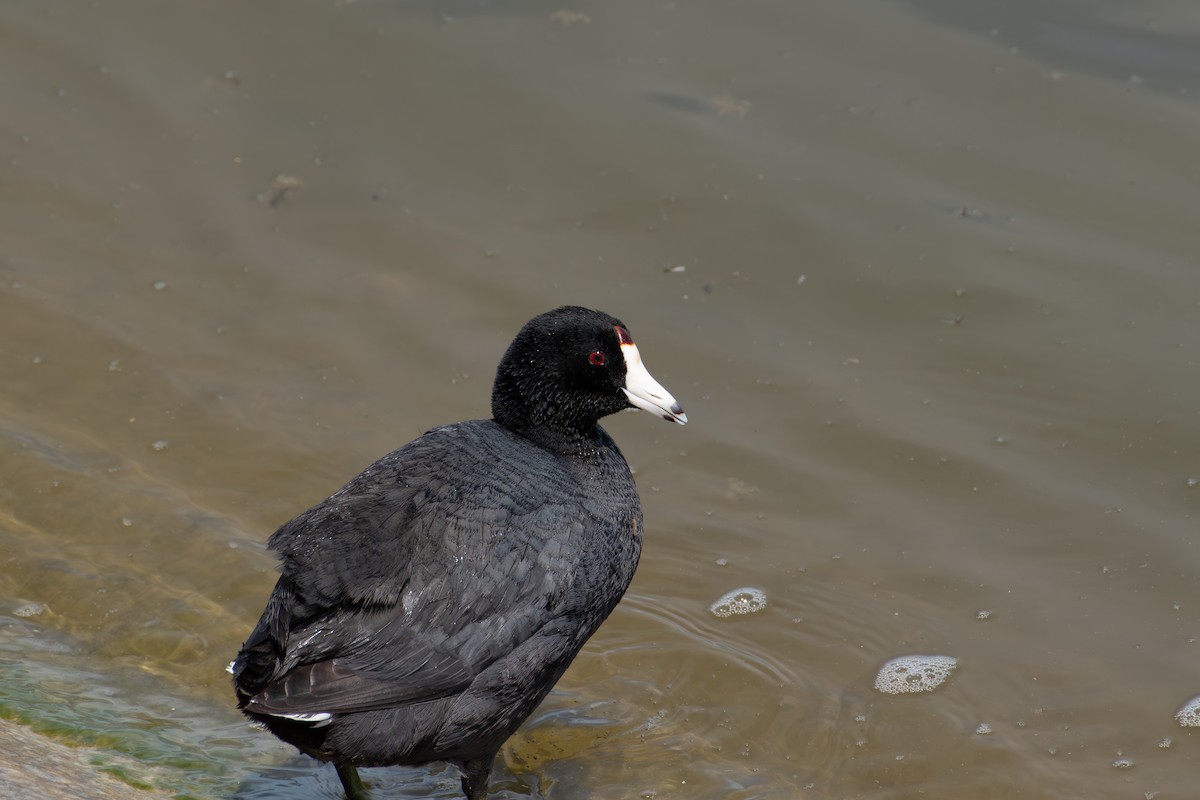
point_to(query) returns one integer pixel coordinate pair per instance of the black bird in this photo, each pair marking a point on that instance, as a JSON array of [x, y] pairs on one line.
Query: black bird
[[427, 607]]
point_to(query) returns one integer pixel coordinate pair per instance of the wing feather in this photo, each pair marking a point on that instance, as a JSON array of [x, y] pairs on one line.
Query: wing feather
[[403, 587]]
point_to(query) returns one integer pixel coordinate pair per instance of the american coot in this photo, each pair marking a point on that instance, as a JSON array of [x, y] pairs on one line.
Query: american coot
[[427, 607]]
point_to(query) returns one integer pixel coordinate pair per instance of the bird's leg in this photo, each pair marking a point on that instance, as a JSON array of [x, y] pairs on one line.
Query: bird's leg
[[475, 778], [352, 783]]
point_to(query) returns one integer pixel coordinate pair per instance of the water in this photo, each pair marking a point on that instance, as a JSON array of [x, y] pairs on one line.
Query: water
[[923, 274]]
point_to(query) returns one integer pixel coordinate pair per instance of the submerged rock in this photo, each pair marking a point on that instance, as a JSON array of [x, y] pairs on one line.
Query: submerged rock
[[34, 767]]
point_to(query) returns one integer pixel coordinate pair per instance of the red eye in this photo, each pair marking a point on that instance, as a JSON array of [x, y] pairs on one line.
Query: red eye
[[598, 358]]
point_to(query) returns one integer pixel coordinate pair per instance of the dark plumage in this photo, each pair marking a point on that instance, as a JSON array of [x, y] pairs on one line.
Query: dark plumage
[[427, 607]]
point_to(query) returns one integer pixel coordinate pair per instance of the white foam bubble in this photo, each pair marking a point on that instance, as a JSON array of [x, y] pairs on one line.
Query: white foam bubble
[[30, 610], [746, 600], [917, 673], [1189, 713]]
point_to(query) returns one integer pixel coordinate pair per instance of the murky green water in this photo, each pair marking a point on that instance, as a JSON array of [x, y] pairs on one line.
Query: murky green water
[[925, 276]]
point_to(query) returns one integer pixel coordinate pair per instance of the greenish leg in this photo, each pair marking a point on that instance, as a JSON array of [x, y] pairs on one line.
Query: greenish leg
[[352, 783], [475, 778]]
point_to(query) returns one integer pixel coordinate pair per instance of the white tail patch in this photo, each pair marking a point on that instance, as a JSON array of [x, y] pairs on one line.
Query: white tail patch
[[317, 720]]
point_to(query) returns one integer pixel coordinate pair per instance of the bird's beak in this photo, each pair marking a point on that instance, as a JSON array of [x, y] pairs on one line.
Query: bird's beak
[[645, 392]]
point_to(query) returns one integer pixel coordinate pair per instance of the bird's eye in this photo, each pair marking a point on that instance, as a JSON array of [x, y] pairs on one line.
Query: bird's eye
[[598, 358]]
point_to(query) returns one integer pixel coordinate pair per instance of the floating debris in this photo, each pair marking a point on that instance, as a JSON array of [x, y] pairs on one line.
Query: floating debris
[[281, 187], [729, 106], [568, 18], [746, 600], [912, 674], [984, 729]]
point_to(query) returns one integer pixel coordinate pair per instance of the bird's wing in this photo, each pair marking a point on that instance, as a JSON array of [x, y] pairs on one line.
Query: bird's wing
[[358, 680], [406, 584]]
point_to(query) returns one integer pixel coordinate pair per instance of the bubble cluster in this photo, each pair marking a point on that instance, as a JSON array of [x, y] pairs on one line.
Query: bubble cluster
[[1189, 713], [30, 610], [746, 600], [911, 674]]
